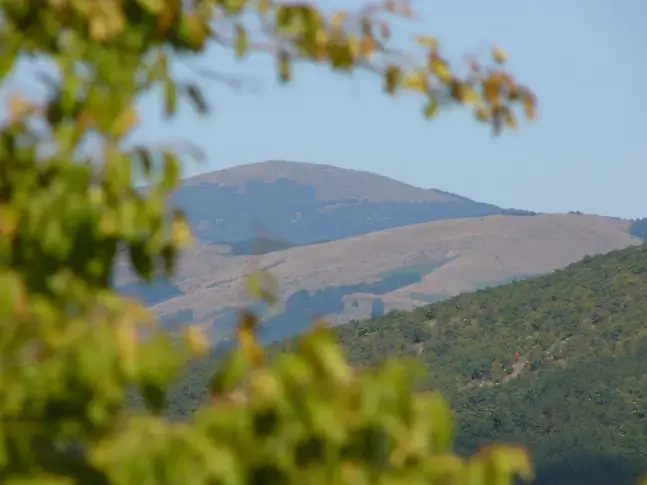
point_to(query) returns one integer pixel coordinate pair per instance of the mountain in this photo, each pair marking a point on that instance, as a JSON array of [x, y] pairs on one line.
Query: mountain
[[302, 203], [555, 362], [368, 275]]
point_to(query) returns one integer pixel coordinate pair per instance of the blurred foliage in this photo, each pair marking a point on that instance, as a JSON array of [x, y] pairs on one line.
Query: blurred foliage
[[74, 354]]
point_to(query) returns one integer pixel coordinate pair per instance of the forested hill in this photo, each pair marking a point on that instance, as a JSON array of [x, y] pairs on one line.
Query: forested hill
[[555, 362], [591, 308]]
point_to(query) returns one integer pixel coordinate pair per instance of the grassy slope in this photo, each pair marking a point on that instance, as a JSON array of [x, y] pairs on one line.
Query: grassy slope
[[477, 251]]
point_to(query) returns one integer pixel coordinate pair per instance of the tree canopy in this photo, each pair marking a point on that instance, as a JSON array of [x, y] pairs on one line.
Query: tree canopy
[[73, 351]]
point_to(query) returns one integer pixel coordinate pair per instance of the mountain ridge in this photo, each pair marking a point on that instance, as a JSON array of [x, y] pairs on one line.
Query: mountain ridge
[[299, 203], [331, 182], [401, 267]]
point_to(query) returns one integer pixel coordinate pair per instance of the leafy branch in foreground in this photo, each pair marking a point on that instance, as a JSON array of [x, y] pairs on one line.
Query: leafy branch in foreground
[[71, 348]]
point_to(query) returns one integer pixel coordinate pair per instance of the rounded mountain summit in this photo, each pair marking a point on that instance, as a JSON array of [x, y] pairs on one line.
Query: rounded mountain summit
[[295, 203]]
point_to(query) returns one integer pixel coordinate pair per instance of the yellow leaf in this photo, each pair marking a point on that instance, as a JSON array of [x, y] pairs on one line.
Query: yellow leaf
[[153, 6], [458, 91], [367, 45], [426, 41], [322, 36], [195, 29], [416, 80], [165, 17], [338, 18], [18, 107], [499, 55], [510, 460], [127, 345], [491, 89], [124, 122], [194, 336], [98, 28], [439, 68], [180, 231], [354, 46], [266, 386], [8, 221], [262, 285], [510, 120], [248, 345], [240, 43], [284, 17], [431, 108], [470, 95], [482, 113], [263, 6], [13, 298]]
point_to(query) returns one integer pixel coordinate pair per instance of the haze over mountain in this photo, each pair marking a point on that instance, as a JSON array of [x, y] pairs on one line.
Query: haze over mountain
[[302, 203]]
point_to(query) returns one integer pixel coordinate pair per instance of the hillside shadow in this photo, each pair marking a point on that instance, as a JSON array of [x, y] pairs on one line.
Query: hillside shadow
[[293, 215], [592, 469]]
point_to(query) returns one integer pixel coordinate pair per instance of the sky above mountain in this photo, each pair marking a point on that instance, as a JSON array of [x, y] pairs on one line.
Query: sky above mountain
[[587, 151]]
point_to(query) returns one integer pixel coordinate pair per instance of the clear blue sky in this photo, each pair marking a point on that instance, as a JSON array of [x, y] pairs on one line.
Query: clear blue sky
[[587, 151]]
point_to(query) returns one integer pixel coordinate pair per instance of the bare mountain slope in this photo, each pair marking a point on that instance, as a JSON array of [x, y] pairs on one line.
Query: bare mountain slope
[[329, 183], [303, 203], [395, 268]]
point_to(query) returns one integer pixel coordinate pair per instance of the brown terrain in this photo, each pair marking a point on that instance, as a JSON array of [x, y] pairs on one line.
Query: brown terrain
[[329, 182], [453, 256]]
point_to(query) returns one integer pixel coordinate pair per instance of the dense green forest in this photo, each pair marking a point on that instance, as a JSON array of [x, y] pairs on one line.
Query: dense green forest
[[555, 362]]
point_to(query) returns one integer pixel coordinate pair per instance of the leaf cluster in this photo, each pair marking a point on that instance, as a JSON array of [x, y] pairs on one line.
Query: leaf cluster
[[74, 353]]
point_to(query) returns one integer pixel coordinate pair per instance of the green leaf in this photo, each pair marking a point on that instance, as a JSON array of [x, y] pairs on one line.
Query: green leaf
[[128, 219], [438, 412], [170, 97], [240, 42], [145, 160], [284, 67], [197, 98], [7, 58], [169, 254], [392, 76], [152, 6], [171, 170], [39, 479], [262, 285], [141, 260], [431, 107], [230, 373], [154, 397]]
